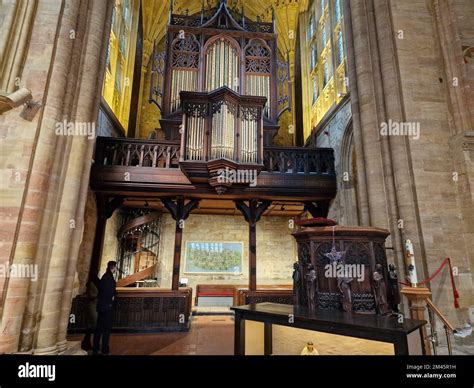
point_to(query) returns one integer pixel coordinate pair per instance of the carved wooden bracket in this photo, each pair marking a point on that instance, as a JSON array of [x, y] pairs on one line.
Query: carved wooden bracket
[[180, 211], [254, 211]]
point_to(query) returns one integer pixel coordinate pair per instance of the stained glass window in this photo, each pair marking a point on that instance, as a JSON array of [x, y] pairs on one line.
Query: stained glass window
[[326, 73], [340, 51], [314, 56], [311, 27], [338, 11], [315, 89], [325, 35]]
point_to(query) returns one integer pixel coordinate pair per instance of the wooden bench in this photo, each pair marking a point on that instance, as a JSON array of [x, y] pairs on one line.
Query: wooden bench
[[240, 292], [215, 290]]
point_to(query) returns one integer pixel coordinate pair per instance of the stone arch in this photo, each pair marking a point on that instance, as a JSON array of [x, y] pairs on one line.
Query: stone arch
[[349, 214]]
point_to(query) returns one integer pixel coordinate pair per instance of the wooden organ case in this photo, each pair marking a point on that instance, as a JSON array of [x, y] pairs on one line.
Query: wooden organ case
[[221, 88]]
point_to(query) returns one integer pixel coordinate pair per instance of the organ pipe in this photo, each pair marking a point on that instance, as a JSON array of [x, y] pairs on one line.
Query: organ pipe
[[195, 138], [222, 66], [182, 80], [259, 85]]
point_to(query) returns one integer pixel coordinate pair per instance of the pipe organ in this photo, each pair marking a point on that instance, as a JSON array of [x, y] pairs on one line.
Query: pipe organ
[[219, 47], [222, 125]]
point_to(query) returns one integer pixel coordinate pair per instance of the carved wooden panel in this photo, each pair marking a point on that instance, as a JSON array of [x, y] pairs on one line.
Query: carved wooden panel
[[145, 312]]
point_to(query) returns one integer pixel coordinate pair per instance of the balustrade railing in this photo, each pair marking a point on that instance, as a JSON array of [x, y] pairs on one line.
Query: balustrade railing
[[298, 160], [166, 154], [137, 153]]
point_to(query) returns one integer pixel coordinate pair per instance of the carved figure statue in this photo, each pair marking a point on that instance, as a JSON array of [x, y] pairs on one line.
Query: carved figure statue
[[296, 284], [380, 289], [393, 288], [311, 287], [344, 285]]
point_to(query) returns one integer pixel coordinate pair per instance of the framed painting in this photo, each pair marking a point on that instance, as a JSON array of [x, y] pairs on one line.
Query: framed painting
[[205, 257]]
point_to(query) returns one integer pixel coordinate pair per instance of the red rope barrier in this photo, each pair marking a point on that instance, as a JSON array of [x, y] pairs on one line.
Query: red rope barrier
[[453, 285]]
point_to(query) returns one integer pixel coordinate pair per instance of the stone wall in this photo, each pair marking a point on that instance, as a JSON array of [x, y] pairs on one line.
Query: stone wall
[[336, 132], [57, 50], [276, 248], [109, 251], [403, 59], [425, 89], [85, 250]]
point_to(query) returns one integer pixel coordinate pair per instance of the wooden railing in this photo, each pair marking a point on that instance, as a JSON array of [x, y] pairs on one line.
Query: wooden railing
[[137, 153], [140, 309], [433, 313], [165, 154], [298, 160]]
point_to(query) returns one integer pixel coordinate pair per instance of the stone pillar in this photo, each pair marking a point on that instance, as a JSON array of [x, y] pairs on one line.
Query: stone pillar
[[383, 162], [58, 179], [53, 58], [88, 100]]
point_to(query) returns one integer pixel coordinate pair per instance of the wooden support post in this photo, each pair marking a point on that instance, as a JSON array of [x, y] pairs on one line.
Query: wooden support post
[[252, 214], [417, 301], [180, 212], [105, 209], [268, 339]]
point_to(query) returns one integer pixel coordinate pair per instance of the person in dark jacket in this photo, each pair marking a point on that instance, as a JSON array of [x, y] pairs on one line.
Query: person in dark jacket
[[105, 304], [92, 291]]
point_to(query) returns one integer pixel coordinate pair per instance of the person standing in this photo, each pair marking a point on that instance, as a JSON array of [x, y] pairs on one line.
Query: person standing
[[92, 291], [105, 305]]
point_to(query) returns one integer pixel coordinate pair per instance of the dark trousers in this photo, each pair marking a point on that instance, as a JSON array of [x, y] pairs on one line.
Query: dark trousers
[[86, 342], [102, 330]]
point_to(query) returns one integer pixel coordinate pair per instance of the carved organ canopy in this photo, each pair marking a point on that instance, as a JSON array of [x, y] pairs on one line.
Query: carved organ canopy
[[223, 90], [220, 47]]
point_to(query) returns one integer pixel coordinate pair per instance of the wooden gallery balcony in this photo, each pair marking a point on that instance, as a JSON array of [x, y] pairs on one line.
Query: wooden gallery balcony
[[221, 154], [130, 166]]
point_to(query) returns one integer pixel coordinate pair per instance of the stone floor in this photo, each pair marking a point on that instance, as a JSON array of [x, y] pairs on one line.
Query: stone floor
[[209, 335], [213, 335]]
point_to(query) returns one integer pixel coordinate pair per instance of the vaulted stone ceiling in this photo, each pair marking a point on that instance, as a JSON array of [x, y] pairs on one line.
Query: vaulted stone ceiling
[[155, 18]]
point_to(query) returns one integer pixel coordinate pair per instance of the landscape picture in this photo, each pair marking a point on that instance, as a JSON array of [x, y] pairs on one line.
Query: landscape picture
[[213, 257]]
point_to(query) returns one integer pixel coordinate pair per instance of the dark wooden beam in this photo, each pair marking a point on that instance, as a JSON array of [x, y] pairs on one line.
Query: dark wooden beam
[[105, 208], [299, 124], [180, 211], [252, 214]]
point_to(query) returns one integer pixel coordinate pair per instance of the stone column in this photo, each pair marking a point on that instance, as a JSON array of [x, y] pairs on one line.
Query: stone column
[[88, 101], [384, 163], [45, 74], [58, 179], [51, 332]]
